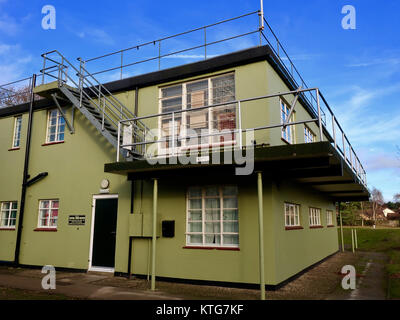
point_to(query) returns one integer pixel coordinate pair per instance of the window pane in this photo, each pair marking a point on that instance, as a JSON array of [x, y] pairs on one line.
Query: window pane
[[14, 205], [195, 215], [44, 204], [212, 191], [197, 94], [213, 227], [212, 239], [13, 214], [230, 203], [195, 239], [231, 227], [230, 215], [173, 104], [195, 227], [212, 203], [223, 89], [231, 239], [213, 215], [195, 204], [194, 192], [52, 138], [44, 213], [53, 222], [172, 91]]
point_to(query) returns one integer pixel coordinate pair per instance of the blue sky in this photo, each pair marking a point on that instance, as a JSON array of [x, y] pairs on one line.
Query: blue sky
[[357, 70]]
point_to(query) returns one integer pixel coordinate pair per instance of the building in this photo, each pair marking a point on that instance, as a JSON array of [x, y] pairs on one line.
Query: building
[[105, 186]]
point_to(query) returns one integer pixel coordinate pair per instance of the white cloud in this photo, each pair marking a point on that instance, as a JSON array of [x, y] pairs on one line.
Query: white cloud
[[8, 25], [375, 62], [13, 61], [97, 35]]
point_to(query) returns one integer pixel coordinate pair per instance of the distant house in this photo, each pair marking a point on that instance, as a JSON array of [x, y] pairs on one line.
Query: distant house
[[387, 211]]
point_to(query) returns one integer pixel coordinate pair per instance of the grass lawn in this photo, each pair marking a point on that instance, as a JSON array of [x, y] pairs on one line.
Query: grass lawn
[[380, 240]]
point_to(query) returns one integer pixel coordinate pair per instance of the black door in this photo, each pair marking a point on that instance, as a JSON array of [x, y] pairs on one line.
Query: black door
[[105, 226]]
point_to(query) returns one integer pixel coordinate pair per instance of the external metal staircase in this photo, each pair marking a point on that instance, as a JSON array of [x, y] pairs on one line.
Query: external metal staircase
[[63, 82]]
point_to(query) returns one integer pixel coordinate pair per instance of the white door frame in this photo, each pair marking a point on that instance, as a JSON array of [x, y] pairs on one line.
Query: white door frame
[[95, 197]]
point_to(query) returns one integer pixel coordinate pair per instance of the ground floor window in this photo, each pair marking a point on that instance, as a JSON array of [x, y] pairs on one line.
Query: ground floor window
[[292, 215], [48, 213], [8, 215], [212, 216], [329, 217], [315, 217]]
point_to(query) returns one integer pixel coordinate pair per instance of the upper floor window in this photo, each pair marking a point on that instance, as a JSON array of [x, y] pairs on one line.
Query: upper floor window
[[288, 133], [212, 217], [309, 136], [55, 126], [329, 217], [292, 215], [17, 132], [315, 217], [8, 216], [199, 124], [48, 213]]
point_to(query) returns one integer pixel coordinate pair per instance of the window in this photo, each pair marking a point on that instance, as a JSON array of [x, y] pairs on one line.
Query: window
[[329, 217], [8, 216], [17, 132], [55, 126], [288, 133], [292, 215], [191, 96], [48, 213], [212, 217], [315, 217], [309, 136]]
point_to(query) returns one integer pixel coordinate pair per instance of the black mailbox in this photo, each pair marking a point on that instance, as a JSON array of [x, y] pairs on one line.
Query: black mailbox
[[168, 229]]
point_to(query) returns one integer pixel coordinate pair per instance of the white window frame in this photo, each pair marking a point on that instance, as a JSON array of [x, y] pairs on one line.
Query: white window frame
[[16, 143], [289, 128], [9, 211], [329, 218], [50, 215], [57, 132], [204, 221], [183, 116], [309, 136], [292, 218], [315, 217]]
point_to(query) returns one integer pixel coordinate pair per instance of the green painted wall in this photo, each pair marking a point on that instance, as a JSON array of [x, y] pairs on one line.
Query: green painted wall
[[297, 249], [11, 178]]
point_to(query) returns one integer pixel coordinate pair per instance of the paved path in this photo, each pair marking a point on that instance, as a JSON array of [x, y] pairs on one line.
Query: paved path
[[371, 283], [77, 285]]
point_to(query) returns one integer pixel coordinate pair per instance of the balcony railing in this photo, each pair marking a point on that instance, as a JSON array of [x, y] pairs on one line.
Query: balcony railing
[[179, 138], [16, 92]]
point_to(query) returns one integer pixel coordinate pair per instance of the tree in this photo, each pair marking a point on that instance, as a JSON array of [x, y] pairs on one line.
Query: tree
[[396, 197], [12, 96], [377, 200]]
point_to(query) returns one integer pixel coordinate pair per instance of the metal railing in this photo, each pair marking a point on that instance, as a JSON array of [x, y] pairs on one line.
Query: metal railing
[[16, 92], [202, 34], [56, 68], [172, 143]]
